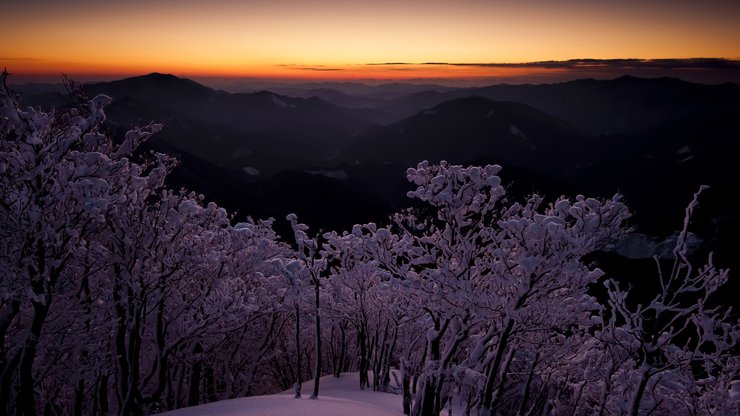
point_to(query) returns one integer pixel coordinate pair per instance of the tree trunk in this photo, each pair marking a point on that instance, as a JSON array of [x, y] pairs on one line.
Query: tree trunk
[[298, 379], [528, 385], [9, 313], [386, 370], [502, 383], [406, 387], [317, 372], [102, 396], [26, 397], [637, 398], [488, 396], [162, 361], [445, 362], [195, 375], [426, 404], [194, 386], [210, 385], [128, 343], [362, 340], [333, 352], [79, 397], [26, 400], [8, 364], [604, 397], [424, 400], [342, 350], [380, 359]]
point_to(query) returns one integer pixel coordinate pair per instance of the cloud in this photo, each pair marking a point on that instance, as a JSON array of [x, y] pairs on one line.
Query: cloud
[[702, 70], [313, 68], [391, 63], [586, 63], [310, 68]]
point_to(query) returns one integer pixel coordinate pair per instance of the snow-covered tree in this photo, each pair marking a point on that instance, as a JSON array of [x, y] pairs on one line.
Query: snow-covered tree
[[680, 347], [119, 295], [361, 296], [289, 286], [480, 265], [243, 332], [310, 253], [58, 171]]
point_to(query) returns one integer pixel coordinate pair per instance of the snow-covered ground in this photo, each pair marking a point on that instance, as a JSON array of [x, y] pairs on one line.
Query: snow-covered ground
[[337, 397]]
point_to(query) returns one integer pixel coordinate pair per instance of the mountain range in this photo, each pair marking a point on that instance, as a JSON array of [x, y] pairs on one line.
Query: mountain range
[[336, 153]]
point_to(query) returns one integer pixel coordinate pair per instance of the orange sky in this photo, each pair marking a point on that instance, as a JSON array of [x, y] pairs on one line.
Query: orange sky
[[334, 39]]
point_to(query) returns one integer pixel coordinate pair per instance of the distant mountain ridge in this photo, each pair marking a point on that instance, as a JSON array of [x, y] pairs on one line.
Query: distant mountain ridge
[[613, 106], [468, 128], [655, 140], [261, 131]]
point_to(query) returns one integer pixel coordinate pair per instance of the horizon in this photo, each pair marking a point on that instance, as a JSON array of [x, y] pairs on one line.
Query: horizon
[[697, 70], [463, 43]]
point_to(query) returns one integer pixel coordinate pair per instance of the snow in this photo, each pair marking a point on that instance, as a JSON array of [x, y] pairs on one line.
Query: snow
[[333, 174], [514, 130], [337, 397], [280, 103], [641, 246], [284, 405], [735, 390], [249, 170]]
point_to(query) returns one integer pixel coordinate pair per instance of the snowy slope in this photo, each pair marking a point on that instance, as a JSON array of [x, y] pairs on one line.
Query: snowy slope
[[337, 397]]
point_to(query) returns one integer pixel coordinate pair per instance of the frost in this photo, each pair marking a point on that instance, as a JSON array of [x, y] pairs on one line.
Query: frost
[[514, 130], [278, 102], [249, 170], [333, 174]]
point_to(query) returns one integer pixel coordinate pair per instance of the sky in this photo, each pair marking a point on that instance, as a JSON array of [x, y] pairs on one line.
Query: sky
[[344, 39]]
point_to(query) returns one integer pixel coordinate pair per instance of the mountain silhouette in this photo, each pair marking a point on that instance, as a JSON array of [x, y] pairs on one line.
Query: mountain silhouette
[[261, 131], [654, 140], [620, 105], [470, 128]]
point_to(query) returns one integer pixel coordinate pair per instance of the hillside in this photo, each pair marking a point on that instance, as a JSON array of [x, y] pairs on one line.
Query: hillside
[[263, 153], [260, 132], [464, 129]]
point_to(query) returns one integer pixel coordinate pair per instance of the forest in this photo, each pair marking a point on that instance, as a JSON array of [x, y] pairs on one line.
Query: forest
[[121, 296]]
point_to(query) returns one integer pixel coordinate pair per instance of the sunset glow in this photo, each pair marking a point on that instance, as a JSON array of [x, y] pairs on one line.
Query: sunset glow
[[336, 40]]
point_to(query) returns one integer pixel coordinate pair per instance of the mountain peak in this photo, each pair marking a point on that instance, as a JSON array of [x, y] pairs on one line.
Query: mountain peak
[[160, 75], [631, 79], [161, 79], [155, 86]]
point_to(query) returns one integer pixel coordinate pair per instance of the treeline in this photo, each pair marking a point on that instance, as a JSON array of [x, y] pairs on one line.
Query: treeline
[[120, 296]]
